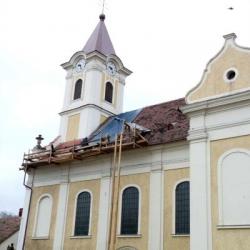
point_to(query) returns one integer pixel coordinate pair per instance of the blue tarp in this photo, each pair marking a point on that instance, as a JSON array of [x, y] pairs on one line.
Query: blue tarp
[[114, 125]]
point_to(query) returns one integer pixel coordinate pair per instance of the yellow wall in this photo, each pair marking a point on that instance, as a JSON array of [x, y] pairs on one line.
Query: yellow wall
[[73, 127], [74, 189], [170, 179], [142, 180], [214, 84], [36, 194], [103, 119], [226, 239]]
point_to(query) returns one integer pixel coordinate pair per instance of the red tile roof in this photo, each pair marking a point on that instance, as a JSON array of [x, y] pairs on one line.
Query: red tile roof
[[166, 122], [8, 226]]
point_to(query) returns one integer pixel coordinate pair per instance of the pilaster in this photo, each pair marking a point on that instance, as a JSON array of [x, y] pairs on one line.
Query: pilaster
[[156, 203]]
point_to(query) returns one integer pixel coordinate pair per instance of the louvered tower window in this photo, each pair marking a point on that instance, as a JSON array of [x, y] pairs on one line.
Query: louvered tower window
[[182, 208], [82, 214], [130, 211], [109, 92], [78, 89]]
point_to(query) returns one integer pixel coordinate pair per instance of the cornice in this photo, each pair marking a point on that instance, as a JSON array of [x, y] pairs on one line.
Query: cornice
[[221, 103]]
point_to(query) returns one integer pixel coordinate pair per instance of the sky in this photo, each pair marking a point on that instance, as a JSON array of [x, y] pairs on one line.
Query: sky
[[165, 43]]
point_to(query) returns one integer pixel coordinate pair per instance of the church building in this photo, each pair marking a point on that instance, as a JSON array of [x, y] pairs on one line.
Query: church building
[[171, 176]]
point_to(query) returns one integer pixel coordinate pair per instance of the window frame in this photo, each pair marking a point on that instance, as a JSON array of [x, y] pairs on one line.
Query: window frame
[[174, 207], [90, 215], [34, 235], [113, 89], [120, 211], [73, 90]]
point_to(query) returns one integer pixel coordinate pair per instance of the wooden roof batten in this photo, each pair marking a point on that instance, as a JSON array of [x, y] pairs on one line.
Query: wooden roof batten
[[132, 138]]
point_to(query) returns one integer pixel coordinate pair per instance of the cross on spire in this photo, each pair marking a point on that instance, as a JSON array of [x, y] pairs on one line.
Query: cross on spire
[[103, 6]]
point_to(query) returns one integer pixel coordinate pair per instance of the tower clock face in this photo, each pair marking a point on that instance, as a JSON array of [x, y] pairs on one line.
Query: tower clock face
[[80, 65], [111, 68]]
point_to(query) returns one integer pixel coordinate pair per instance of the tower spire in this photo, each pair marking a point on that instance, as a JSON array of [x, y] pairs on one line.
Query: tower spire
[[100, 40]]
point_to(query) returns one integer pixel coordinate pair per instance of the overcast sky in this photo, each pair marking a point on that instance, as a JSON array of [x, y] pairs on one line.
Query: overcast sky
[[165, 43]]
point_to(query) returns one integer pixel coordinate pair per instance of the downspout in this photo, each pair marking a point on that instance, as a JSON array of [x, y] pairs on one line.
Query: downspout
[[30, 188]]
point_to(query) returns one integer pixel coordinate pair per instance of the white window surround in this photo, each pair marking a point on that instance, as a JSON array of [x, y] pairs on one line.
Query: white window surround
[[90, 215], [120, 213], [173, 206], [104, 92], [34, 234], [73, 90], [222, 223], [226, 72]]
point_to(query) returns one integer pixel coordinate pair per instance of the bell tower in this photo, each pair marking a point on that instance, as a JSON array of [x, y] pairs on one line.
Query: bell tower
[[95, 80]]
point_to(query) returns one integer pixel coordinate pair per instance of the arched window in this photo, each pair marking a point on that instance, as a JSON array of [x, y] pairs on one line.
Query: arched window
[[78, 89], [82, 219], [43, 216], [234, 188], [130, 211], [109, 92], [182, 208]]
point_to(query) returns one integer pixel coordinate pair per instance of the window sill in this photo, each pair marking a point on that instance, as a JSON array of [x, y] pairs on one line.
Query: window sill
[[81, 237], [180, 235], [221, 227], [129, 236], [40, 238]]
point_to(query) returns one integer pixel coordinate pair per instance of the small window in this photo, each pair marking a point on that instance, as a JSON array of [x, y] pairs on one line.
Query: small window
[[43, 217], [130, 211], [109, 92], [82, 214], [230, 75], [182, 208], [78, 89]]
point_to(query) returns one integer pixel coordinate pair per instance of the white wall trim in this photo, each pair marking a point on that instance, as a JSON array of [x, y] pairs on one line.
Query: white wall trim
[[90, 215], [219, 179], [155, 228], [61, 216], [120, 208], [37, 209], [103, 214], [24, 220], [173, 202]]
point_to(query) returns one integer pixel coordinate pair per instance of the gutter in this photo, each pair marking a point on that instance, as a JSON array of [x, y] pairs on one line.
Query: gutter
[[27, 219]]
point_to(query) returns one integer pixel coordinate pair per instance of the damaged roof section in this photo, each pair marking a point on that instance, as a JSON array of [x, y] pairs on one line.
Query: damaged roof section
[[114, 125], [165, 121], [157, 124]]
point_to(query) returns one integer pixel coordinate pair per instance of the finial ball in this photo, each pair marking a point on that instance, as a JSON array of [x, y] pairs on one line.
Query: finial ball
[[102, 17]]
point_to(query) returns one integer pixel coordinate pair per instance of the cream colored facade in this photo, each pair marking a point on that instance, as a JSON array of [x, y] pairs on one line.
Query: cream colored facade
[[215, 159]]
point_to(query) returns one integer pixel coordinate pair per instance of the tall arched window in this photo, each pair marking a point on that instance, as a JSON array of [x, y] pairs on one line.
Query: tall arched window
[[82, 219], [130, 211], [78, 89], [109, 92], [182, 208], [43, 216]]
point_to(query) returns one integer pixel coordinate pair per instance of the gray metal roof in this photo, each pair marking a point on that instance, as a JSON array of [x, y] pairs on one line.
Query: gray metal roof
[[100, 40]]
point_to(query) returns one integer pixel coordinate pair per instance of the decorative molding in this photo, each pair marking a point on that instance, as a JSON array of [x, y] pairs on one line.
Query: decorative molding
[[86, 106]]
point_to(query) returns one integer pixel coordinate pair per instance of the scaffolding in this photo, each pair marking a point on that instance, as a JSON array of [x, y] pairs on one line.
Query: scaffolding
[[132, 138]]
